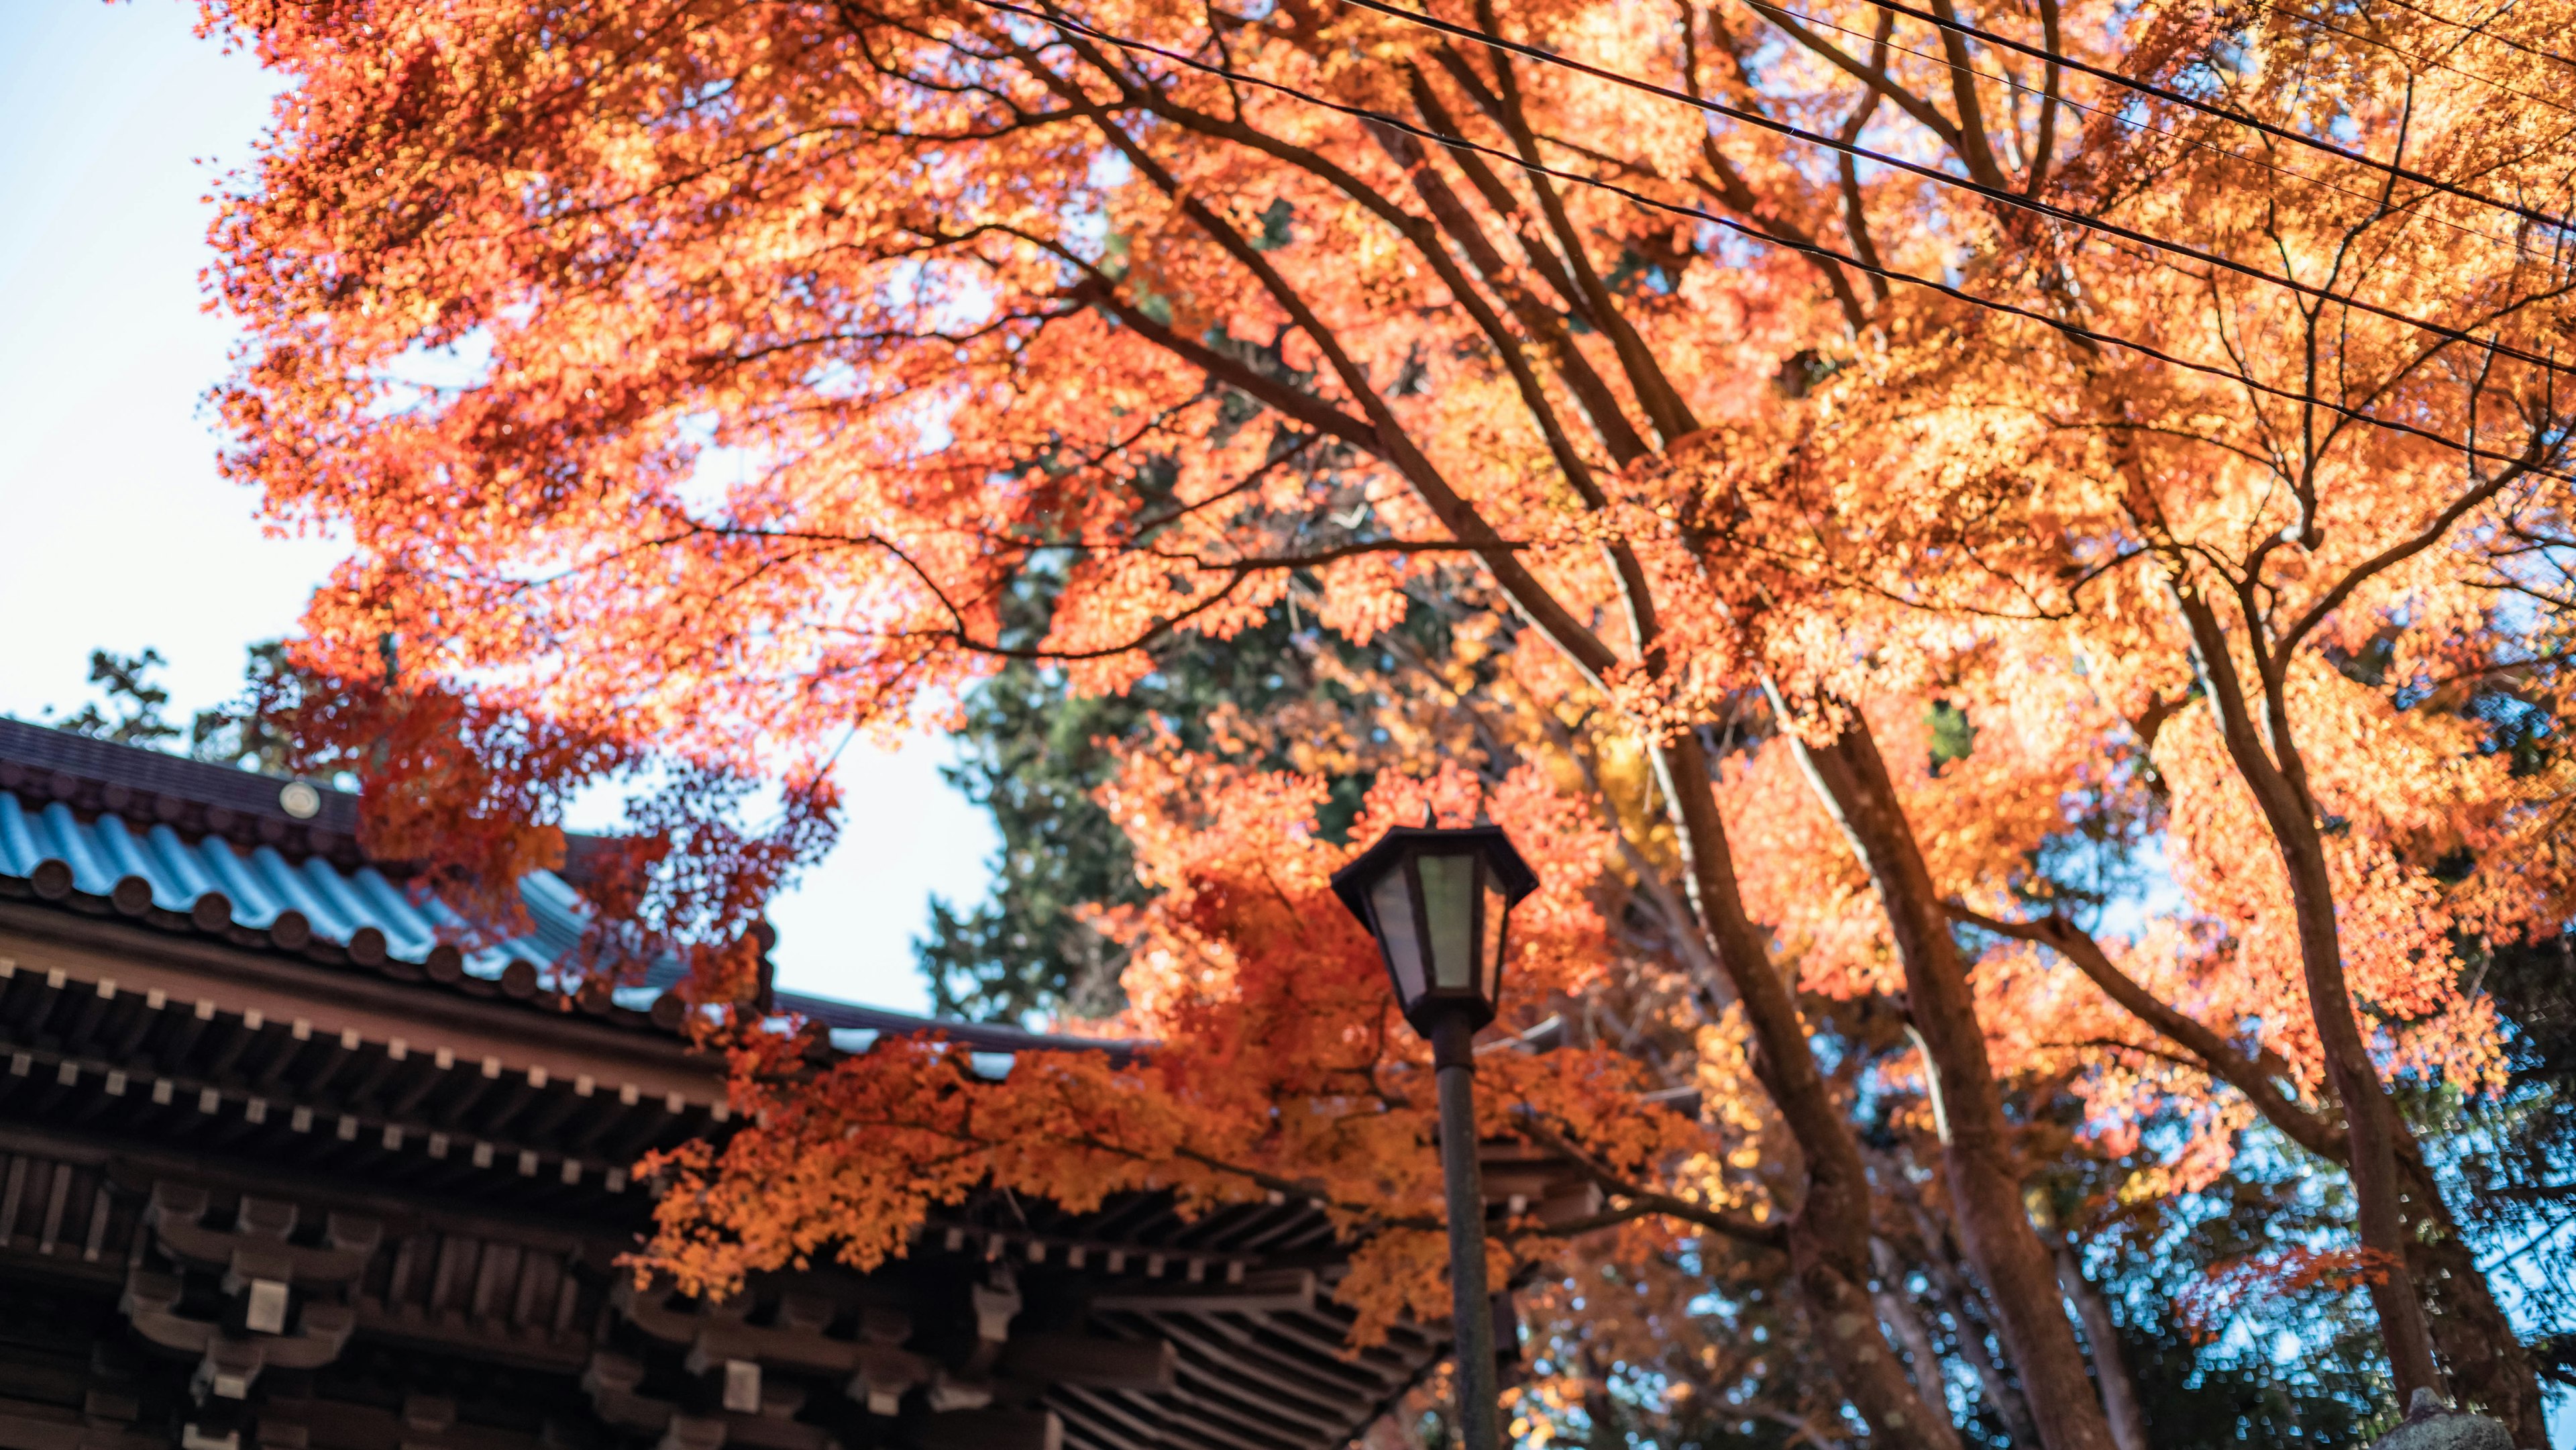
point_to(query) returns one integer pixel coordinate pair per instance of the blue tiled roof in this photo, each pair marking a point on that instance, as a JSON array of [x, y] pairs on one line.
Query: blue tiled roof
[[190, 846], [214, 881]]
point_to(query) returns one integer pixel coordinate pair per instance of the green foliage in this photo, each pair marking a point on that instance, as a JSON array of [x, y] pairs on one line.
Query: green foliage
[[2269, 1368], [2198, 1401], [1030, 757], [1952, 736], [1033, 753], [134, 702], [242, 732], [2305, 1367], [1277, 226], [2514, 1154]]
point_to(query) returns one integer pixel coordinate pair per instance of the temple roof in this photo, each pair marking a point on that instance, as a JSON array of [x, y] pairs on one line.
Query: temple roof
[[194, 847], [219, 1019]]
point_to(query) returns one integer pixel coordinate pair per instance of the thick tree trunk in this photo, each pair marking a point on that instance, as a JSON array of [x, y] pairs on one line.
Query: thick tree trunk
[[1844, 1319], [2375, 1132], [2371, 1123], [2487, 1362], [1828, 1233], [2489, 1367], [2110, 1365], [1985, 1185]]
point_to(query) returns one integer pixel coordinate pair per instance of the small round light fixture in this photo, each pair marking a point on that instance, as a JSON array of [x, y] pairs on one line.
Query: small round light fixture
[[1438, 901], [299, 799]]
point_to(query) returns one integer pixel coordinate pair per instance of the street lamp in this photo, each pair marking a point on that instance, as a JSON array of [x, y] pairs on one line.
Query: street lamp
[[1439, 902]]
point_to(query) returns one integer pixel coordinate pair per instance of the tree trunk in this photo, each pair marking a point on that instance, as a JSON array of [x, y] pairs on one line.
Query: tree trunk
[[2488, 1364], [1828, 1233], [1985, 1185], [1959, 1298], [2110, 1366], [2486, 1360], [2372, 1125], [1897, 1307], [1845, 1322], [1599, 1409]]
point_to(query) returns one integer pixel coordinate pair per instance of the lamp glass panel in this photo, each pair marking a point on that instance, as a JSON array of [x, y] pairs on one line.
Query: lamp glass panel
[[1392, 901], [1489, 948], [1449, 911]]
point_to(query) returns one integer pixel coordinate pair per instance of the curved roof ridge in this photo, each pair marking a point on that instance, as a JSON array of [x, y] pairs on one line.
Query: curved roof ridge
[[990, 1036], [187, 845], [38, 750]]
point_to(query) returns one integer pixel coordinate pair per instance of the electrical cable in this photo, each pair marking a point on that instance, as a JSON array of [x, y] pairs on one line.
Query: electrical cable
[[2144, 88], [2483, 33], [1807, 248], [2303, 18], [2116, 118], [2178, 98], [2001, 195]]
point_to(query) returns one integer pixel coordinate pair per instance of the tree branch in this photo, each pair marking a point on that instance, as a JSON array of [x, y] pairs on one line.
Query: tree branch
[[2208, 1051]]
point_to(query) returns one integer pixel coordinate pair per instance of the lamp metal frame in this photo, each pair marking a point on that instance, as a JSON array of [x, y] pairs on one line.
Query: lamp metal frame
[[1449, 1016]]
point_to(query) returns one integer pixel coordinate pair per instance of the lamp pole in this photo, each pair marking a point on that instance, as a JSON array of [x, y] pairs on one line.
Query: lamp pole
[[1453, 1061], [1438, 901]]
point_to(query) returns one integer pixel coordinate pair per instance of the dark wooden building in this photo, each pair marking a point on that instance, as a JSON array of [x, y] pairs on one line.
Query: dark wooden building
[[280, 1168]]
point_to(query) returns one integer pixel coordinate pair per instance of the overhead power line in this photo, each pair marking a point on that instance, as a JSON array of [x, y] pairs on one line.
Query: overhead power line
[[2076, 330], [2112, 115], [2483, 33], [2292, 12], [2000, 195], [2178, 98], [2041, 53]]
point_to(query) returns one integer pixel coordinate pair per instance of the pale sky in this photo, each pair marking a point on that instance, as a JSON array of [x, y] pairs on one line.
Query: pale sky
[[118, 532]]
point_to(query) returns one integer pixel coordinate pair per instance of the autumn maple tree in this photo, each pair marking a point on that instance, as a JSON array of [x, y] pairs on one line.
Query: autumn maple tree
[[2172, 394]]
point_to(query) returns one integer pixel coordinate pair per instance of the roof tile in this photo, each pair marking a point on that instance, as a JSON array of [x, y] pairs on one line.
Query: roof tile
[[234, 860]]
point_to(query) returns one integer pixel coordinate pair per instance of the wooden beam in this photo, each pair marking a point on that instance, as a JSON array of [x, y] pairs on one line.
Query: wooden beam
[[1249, 1362], [1263, 1291], [1146, 1365], [26, 1425], [43, 940], [1187, 1420], [1109, 1420], [991, 1429]]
